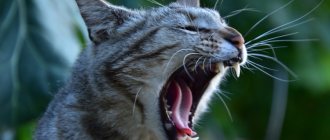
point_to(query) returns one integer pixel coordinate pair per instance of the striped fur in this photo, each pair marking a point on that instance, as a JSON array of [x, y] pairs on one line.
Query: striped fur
[[115, 84]]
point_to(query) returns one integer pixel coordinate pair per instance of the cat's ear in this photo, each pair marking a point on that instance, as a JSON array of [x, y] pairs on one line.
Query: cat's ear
[[193, 3], [101, 18]]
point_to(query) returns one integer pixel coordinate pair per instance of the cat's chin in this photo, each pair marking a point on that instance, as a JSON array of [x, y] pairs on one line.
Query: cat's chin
[[181, 96]]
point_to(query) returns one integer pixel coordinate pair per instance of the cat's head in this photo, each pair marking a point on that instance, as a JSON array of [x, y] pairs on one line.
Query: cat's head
[[170, 58]]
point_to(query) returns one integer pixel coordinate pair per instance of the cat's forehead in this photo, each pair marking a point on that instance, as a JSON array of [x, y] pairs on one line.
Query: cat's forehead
[[196, 16]]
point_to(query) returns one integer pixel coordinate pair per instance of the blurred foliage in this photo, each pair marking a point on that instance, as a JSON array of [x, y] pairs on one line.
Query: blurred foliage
[[29, 65], [39, 39]]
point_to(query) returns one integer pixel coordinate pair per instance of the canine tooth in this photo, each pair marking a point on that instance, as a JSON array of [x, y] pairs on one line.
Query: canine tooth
[[237, 69], [185, 137], [169, 112], [218, 67], [188, 138], [195, 138]]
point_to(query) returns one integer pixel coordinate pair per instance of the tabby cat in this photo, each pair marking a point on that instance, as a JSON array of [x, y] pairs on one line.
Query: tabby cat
[[147, 74]]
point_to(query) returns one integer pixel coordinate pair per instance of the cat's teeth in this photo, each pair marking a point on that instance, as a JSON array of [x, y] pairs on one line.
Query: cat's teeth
[[219, 67], [237, 69], [195, 138], [169, 112], [186, 137]]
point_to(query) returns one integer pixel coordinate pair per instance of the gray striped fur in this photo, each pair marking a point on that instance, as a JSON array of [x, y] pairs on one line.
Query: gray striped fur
[[115, 84]]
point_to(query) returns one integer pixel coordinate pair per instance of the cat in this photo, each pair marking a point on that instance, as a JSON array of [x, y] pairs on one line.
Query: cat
[[146, 75]]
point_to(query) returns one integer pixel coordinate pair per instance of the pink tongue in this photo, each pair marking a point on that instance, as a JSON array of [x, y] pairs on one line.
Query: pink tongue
[[181, 107]]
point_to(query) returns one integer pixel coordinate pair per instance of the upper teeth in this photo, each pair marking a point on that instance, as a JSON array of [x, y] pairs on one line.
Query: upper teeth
[[219, 67], [237, 69]]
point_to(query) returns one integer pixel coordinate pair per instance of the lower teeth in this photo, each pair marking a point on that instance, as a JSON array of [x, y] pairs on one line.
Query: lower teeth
[[186, 137]]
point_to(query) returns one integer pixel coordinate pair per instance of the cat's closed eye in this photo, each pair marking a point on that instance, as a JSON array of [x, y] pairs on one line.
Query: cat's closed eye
[[193, 28]]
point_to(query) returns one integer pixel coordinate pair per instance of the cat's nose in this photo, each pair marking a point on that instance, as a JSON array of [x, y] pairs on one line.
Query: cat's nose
[[234, 37], [237, 41]]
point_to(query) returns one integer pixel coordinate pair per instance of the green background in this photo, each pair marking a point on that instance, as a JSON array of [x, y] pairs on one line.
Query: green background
[[40, 39]]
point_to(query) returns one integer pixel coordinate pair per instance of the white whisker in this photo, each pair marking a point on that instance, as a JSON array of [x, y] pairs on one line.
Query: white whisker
[[135, 99], [169, 61], [225, 104], [246, 66], [290, 40], [223, 93], [265, 49], [301, 17], [233, 73], [255, 57], [210, 64], [216, 4], [279, 28], [266, 45], [261, 66], [203, 65], [236, 12], [277, 78], [265, 17], [156, 2], [277, 61], [276, 37], [184, 65], [196, 63]]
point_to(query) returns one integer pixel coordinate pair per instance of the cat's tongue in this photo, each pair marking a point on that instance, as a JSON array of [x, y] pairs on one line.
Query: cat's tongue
[[182, 101]]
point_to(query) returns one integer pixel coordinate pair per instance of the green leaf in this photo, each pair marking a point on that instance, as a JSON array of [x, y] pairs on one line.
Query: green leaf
[[32, 67]]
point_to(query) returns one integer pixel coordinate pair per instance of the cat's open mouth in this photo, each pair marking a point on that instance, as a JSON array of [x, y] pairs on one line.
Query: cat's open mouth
[[181, 95]]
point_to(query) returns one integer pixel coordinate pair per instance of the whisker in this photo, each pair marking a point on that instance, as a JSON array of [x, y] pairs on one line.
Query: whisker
[[203, 65], [277, 78], [276, 37], [261, 66], [265, 49], [265, 17], [225, 104], [266, 45], [135, 99], [209, 38], [196, 63], [277, 61], [233, 74], [210, 64], [247, 67], [290, 40], [156, 2], [216, 4], [279, 28], [184, 65], [223, 93], [169, 61], [256, 45], [301, 17], [236, 12]]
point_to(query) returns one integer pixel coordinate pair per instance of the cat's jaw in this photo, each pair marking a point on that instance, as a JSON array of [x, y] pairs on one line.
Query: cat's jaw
[[183, 100]]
